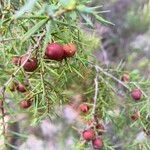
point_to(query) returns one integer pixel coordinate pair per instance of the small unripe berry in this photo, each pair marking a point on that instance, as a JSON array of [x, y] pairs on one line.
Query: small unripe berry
[[125, 77], [90, 122], [54, 51], [97, 143], [16, 60], [30, 65], [25, 104], [136, 94], [135, 116], [21, 88], [84, 108], [100, 129], [88, 134], [12, 86], [69, 49]]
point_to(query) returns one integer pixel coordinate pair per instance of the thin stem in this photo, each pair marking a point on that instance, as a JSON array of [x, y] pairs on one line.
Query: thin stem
[[96, 90], [117, 80], [2, 110], [59, 13], [7, 40], [111, 76]]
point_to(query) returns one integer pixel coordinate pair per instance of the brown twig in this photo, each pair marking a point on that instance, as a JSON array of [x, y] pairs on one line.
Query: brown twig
[[2, 111]]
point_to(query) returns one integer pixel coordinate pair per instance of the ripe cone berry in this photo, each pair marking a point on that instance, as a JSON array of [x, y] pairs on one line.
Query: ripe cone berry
[[125, 77], [88, 134], [136, 94], [21, 88], [69, 49], [16, 60], [54, 51], [30, 65], [97, 143], [84, 108], [25, 104]]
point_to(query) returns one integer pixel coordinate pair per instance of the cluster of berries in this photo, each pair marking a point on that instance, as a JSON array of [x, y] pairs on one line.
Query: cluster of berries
[[94, 131], [136, 95], [54, 51]]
